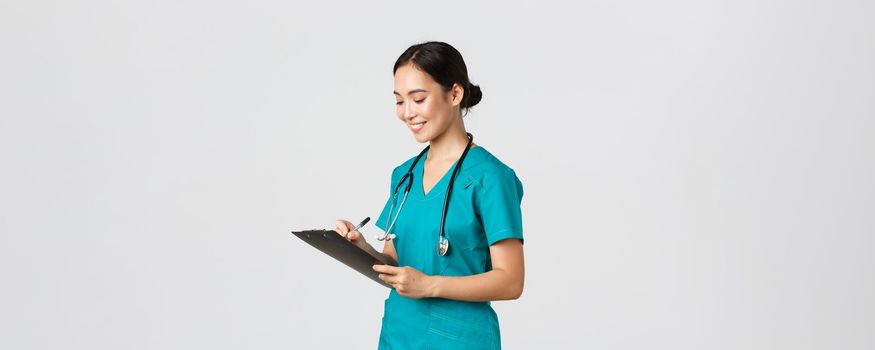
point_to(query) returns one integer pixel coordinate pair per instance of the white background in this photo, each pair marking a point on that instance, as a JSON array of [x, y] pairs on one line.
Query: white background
[[697, 174]]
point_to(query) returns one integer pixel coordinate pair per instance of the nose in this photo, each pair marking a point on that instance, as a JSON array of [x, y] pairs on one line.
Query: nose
[[408, 111]]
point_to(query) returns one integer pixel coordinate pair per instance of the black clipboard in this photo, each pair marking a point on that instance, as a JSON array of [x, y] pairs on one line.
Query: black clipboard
[[331, 243]]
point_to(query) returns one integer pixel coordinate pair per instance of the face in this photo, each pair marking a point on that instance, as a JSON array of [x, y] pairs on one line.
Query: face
[[423, 105]]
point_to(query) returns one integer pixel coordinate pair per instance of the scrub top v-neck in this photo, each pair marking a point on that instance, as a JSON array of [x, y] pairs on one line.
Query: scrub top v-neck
[[419, 173], [484, 209]]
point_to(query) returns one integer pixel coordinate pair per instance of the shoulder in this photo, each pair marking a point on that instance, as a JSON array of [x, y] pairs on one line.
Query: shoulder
[[402, 168], [486, 169]]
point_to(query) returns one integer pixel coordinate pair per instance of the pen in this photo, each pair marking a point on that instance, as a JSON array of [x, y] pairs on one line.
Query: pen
[[361, 224]]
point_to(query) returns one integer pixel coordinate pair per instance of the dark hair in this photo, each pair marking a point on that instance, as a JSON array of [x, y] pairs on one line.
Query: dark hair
[[445, 65]]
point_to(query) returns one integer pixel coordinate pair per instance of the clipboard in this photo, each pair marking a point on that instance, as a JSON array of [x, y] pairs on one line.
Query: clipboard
[[337, 247]]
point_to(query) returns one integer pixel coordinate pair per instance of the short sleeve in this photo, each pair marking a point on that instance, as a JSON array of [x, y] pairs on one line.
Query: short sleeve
[[498, 205], [381, 221]]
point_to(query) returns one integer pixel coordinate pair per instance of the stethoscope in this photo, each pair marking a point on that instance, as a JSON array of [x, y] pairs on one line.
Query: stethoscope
[[443, 243]]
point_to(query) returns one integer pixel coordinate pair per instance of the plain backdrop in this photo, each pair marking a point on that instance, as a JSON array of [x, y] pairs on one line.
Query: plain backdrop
[[697, 174]]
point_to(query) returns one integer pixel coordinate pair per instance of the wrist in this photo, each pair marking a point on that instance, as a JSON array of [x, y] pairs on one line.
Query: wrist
[[435, 283]]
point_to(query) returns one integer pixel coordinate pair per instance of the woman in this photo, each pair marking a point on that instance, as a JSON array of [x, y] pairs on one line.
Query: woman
[[441, 292]]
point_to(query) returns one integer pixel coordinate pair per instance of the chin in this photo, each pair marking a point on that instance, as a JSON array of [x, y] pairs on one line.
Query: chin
[[422, 137]]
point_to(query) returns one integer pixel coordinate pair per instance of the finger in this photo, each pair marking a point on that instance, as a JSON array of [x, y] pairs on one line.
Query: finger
[[389, 279], [349, 225], [387, 269], [353, 235], [342, 234], [340, 227]]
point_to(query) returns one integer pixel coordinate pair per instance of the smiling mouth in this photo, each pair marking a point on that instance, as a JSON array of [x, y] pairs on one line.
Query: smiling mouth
[[417, 126]]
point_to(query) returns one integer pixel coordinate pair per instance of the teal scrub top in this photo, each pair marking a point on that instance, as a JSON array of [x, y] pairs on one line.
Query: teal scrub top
[[484, 209]]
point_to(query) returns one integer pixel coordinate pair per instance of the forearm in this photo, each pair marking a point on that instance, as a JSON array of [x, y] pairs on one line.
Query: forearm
[[497, 284]]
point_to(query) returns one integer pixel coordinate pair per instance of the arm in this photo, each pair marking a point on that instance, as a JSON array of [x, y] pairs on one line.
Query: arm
[[504, 282], [389, 251]]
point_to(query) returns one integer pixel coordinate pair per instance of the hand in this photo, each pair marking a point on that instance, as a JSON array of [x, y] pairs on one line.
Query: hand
[[407, 281], [344, 228]]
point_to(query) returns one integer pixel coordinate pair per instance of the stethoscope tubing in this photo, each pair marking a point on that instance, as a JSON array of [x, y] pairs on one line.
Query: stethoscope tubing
[[407, 180]]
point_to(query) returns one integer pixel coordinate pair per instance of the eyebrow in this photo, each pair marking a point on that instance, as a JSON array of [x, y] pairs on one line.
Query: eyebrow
[[411, 92]]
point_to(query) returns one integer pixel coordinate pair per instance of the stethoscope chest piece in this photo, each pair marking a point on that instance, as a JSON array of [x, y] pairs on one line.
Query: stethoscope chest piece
[[443, 246]]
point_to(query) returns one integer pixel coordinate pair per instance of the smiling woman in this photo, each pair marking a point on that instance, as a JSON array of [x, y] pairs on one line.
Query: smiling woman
[[441, 292]]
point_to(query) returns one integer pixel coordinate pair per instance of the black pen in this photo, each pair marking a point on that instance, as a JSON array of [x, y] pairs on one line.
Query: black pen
[[360, 225]]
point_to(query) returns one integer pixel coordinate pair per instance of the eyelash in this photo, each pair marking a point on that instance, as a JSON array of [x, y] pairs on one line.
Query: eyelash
[[400, 102]]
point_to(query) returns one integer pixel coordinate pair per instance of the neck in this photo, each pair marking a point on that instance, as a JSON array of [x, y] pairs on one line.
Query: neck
[[450, 144]]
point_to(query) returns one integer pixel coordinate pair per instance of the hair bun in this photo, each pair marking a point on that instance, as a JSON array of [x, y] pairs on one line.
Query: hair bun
[[474, 96]]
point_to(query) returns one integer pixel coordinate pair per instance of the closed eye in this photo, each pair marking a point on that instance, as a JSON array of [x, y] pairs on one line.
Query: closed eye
[[398, 103]]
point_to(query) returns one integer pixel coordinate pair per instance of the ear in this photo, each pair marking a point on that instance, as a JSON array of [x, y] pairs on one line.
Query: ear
[[456, 94]]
